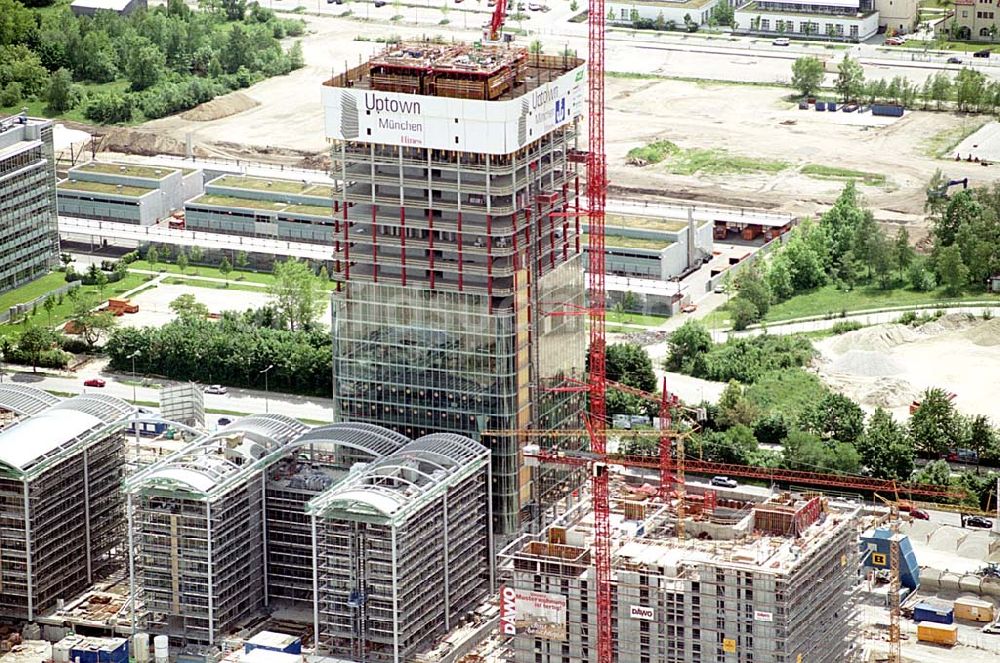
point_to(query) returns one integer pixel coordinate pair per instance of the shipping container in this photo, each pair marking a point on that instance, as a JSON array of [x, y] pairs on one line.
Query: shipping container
[[941, 634], [925, 612], [974, 610], [887, 110], [831, 105], [821, 105], [750, 232]]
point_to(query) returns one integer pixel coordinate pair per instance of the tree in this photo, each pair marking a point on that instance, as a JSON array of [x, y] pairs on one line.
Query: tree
[[806, 451], [779, 278], [101, 281], [885, 450], [940, 90], [237, 51], [836, 418], [736, 445], [152, 256], [629, 364], [980, 437], [752, 287], [197, 256], [687, 346], [88, 323], [937, 473], [850, 79], [902, 252], [295, 293], [324, 275], [743, 313], [16, 22], [225, 268], [535, 46], [49, 304], [145, 67], [953, 272], [182, 262], [235, 10], [241, 260], [807, 74], [771, 428], [969, 87], [33, 342], [110, 108], [735, 408], [187, 307], [864, 240], [58, 95], [296, 58], [934, 426], [881, 258]]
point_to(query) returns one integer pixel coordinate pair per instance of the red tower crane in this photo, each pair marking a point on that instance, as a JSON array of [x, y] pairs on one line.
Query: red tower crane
[[493, 29]]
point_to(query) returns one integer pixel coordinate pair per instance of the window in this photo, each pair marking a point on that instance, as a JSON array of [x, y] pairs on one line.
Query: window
[[839, 29], [624, 14], [984, 32], [765, 24], [965, 13], [854, 31]]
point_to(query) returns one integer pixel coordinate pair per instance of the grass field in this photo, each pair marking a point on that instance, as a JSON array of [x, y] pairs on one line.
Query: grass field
[[830, 300], [232, 285], [38, 108], [29, 291], [616, 318], [235, 276], [831, 173], [702, 161]]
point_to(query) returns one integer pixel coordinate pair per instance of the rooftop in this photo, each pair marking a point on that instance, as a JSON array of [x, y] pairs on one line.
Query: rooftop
[[111, 5], [102, 187], [125, 170], [644, 222], [837, 9], [252, 203], [618, 241], [460, 70], [297, 187], [672, 4]]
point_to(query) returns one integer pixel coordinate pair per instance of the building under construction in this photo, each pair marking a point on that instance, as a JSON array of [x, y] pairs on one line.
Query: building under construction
[[61, 510], [457, 243], [750, 582], [338, 521]]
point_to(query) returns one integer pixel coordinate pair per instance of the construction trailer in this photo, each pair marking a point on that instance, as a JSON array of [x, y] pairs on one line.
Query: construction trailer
[[772, 591], [61, 509], [457, 242], [235, 523], [403, 550]]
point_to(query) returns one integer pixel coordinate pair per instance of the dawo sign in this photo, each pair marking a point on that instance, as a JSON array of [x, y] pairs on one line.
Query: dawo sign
[[532, 613], [641, 612]]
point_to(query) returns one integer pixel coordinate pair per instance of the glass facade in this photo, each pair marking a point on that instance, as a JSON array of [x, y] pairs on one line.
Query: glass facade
[[460, 303], [29, 237]]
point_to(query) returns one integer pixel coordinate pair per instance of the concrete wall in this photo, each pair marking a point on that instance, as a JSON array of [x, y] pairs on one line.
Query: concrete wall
[[193, 186], [145, 210], [828, 26]]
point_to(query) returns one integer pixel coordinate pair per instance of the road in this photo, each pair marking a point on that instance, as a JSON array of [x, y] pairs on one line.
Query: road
[[241, 401]]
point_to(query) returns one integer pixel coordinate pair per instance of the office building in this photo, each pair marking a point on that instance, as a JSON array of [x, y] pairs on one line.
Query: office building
[[29, 236], [457, 250], [61, 511], [840, 20]]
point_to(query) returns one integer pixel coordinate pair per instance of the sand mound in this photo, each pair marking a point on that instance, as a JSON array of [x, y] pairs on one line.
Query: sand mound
[[947, 323], [866, 363], [987, 333], [873, 339], [134, 141], [224, 106]]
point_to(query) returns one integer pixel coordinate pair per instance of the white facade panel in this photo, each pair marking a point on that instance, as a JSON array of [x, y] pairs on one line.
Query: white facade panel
[[491, 127]]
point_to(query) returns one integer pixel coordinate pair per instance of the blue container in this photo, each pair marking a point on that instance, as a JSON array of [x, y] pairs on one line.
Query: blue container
[[924, 612], [821, 105], [887, 110], [83, 655], [831, 105]]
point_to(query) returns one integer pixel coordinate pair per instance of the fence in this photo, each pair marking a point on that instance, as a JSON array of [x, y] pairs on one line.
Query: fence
[[17, 310]]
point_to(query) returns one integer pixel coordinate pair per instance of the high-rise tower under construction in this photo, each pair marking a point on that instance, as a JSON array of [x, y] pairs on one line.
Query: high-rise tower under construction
[[457, 241]]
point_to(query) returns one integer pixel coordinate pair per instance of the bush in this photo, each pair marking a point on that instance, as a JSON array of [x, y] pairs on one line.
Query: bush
[[11, 95], [130, 257], [110, 108], [46, 359], [88, 279], [845, 326], [746, 359], [73, 344], [908, 318]]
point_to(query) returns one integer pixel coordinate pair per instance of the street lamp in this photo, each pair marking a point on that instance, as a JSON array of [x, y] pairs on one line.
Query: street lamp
[[265, 372], [135, 412], [132, 357]]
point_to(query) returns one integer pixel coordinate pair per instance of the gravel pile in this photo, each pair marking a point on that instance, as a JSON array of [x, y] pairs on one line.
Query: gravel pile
[[986, 333], [873, 339], [866, 363]]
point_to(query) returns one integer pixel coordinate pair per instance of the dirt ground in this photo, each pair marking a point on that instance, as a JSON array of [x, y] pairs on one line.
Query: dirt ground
[[890, 365]]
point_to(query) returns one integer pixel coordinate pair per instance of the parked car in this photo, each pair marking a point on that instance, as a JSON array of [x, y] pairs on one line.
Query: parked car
[[225, 421], [689, 308], [724, 482], [216, 389], [719, 289], [380, 3], [985, 53], [954, 60], [535, 6], [895, 41], [780, 41], [978, 521], [920, 514], [93, 382]]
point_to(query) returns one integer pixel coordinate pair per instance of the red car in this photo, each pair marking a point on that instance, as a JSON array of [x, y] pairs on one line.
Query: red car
[[93, 382], [920, 514]]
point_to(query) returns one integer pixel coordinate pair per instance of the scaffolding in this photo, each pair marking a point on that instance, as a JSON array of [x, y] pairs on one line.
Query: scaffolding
[[61, 512], [402, 550], [767, 583]]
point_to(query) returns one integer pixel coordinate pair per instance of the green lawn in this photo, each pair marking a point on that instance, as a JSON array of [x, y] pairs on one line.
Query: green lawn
[[701, 161], [965, 46], [829, 300], [62, 311], [39, 108], [204, 270], [233, 285], [29, 291], [616, 318]]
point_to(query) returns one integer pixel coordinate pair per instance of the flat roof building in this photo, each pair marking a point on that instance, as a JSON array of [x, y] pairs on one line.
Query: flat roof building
[[456, 250], [763, 582], [840, 20], [121, 7], [29, 242], [61, 509]]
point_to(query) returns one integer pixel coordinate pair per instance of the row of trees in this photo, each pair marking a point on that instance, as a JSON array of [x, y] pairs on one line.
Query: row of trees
[[829, 433], [173, 58], [966, 231], [848, 248], [968, 90]]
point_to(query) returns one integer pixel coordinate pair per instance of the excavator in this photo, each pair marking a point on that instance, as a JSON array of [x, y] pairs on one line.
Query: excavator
[[493, 31], [941, 192]]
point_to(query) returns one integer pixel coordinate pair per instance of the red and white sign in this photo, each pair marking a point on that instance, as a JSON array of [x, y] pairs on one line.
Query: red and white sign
[[641, 612], [508, 610], [532, 613], [761, 616]]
